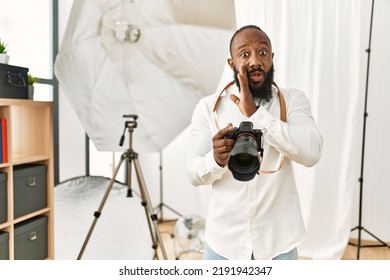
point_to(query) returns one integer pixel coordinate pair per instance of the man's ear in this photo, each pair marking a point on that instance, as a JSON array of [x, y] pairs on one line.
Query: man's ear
[[231, 63]]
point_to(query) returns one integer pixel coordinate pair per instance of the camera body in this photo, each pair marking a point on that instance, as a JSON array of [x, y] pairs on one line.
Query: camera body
[[246, 129], [245, 157]]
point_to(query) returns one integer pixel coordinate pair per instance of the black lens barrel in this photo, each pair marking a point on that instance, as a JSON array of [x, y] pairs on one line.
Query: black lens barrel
[[244, 160]]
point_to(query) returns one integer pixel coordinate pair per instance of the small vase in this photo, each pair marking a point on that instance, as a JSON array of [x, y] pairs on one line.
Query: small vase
[[4, 58], [31, 92]]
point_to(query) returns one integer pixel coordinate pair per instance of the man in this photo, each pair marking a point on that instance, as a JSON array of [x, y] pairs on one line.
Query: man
[[260, 218]]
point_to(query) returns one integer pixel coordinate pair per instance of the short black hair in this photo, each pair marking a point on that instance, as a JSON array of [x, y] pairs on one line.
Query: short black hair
[[242, 29]]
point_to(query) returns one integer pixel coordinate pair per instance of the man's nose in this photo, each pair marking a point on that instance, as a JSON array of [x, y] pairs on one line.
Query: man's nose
[[255, 61]]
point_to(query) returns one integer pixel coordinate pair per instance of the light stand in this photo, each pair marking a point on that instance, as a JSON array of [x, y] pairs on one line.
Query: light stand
[[160, 206], [359, 227], [131, 156]]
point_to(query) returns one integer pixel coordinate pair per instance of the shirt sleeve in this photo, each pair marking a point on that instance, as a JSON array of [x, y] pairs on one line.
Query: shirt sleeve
[[201, 166], [299, 139]]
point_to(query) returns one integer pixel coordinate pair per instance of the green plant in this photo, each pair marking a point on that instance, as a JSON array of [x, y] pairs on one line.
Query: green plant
[[3, 46], [31, 80]]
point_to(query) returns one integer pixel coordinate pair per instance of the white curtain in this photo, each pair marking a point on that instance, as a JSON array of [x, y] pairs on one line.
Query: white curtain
[[320, 48]]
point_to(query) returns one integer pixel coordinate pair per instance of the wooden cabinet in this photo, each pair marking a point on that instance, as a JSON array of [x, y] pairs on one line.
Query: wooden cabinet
[[29, 141]]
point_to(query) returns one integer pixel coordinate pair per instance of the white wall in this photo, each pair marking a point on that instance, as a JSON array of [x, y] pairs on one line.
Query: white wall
[[71, 133]]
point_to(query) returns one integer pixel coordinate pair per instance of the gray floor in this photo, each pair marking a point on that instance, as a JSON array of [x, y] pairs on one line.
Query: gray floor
[[121, 231]]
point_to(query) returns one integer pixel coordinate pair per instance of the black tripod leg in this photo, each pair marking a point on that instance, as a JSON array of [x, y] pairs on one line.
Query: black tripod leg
[[359, 243], [149, 210], [159, 208], [161, 205], [383, 244], [99, 211]]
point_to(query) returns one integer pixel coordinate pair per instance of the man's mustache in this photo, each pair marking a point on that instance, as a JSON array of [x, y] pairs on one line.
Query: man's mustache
[[254, 70]]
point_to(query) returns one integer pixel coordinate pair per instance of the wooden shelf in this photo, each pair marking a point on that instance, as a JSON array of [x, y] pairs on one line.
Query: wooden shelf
[[30, 141]]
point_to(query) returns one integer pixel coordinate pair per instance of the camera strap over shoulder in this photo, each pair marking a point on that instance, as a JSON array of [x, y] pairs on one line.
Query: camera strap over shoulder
[[282, 103], [283, 117]]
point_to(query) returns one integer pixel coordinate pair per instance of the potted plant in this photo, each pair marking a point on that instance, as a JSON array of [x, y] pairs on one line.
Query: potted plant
[[4, 57], [31, 80]]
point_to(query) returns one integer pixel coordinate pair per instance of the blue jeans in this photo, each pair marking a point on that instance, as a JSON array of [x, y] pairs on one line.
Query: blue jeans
[[209, 254]]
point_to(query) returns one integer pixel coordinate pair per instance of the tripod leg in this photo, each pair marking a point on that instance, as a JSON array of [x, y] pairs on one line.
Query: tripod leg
[[150, 225], [383, 244], [99, 211], [159, 210], [149, 208], [129, 178]]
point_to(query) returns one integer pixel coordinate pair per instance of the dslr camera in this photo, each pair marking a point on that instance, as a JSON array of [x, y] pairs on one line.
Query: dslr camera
[[244, 160]]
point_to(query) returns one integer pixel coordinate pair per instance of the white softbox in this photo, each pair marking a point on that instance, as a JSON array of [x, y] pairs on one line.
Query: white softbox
[[152, 58]]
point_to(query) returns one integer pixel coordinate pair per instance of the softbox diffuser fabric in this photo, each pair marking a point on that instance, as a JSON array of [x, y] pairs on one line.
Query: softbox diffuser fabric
[[151, 58]]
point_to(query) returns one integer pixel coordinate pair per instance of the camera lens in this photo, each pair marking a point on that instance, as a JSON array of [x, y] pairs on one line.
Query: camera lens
[[244, 159]]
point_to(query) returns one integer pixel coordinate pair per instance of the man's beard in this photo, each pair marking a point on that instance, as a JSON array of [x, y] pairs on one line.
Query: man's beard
[[262, 93]]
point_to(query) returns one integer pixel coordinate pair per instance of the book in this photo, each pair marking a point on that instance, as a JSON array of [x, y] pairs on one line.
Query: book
[[1, 143], [4, 138]]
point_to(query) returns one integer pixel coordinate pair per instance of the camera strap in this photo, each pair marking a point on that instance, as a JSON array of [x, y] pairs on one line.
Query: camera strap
[[283, 117]]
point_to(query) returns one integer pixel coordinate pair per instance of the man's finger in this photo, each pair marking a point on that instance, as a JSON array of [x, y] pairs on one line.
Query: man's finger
[[223, 145], [235, 99], [220, 134]]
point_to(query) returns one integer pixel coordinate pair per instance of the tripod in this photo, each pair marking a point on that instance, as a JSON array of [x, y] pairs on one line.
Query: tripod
[[359, 227], [160, 206], [131, 156]]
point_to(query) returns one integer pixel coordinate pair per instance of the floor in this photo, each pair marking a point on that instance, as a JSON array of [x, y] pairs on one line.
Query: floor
[[173, 252], [120, 232], [366, 253]]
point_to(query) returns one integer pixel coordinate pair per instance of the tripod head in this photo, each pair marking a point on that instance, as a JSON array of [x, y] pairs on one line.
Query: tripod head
[[131, 124]]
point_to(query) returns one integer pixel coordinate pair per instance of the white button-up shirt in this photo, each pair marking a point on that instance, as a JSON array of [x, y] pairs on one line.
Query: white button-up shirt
[[262, 216]]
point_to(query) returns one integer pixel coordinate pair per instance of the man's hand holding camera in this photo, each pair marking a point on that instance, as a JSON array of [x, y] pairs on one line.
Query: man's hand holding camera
[[222, 146]]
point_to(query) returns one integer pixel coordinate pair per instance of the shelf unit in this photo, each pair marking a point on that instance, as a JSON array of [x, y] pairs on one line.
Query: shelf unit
[[30, 141]]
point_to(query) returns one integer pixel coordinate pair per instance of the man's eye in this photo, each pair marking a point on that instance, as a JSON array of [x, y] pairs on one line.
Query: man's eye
[[244, 55], [263, 53]]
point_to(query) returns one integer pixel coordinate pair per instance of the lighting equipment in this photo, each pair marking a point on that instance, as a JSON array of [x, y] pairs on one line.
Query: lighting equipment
[[360, 227], [132, 157], [153, 58], [188, 235]]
